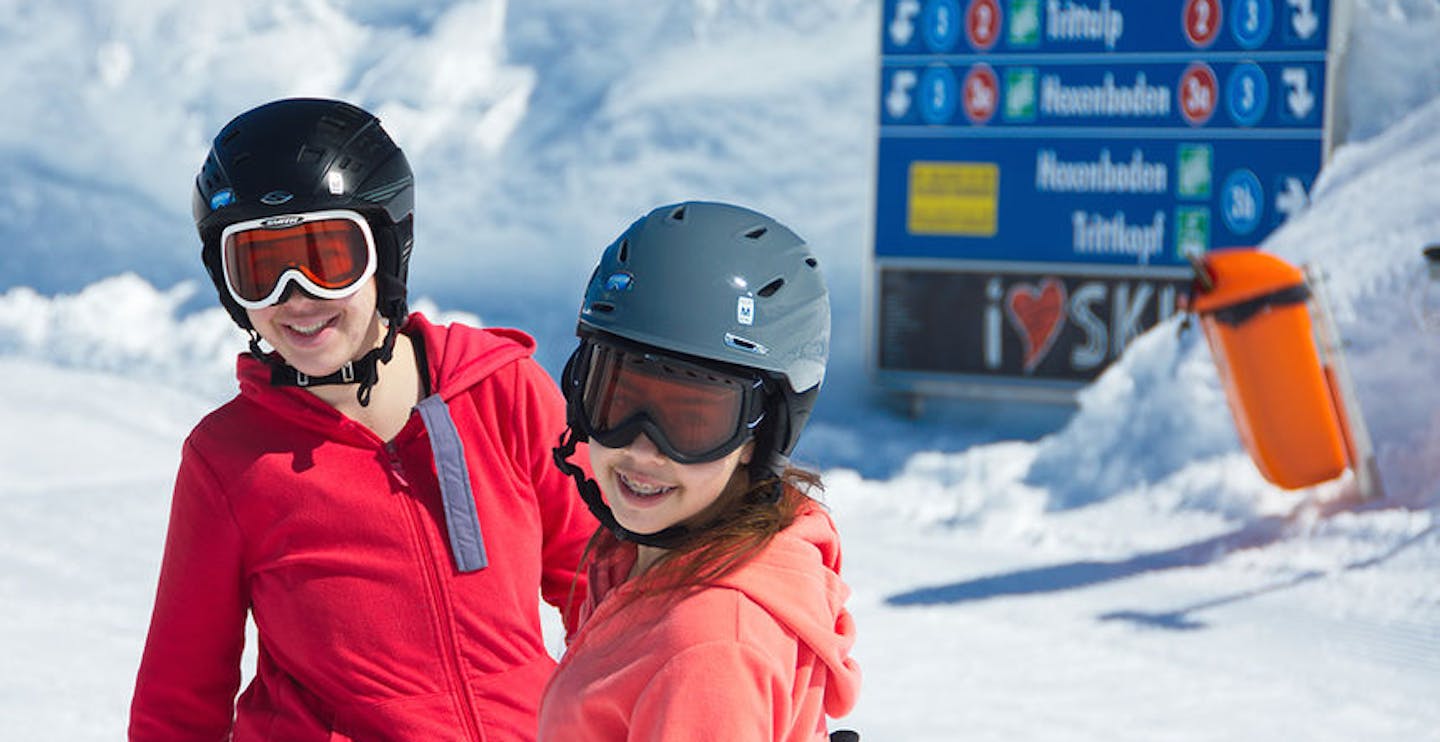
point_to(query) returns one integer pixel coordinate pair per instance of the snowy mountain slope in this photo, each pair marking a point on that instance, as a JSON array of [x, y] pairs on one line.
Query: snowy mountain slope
[[1127, 576]]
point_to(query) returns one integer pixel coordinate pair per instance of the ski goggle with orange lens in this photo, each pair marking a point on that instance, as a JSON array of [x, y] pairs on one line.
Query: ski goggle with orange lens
[[329, 254], [692, 413]]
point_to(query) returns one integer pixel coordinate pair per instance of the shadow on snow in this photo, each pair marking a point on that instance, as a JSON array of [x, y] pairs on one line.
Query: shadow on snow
[[1082, 574]]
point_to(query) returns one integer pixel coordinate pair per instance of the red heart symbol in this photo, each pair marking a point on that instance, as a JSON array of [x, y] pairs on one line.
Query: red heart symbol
[[1038, 314]]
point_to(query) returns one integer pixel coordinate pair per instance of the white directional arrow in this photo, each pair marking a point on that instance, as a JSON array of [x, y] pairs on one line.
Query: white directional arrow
[[897, 101], [902, 26], [1293, 199], [1304, 20], [1300, 99]]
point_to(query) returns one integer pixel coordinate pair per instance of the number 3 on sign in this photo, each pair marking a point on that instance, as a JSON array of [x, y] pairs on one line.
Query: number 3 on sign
[[1252, 22]]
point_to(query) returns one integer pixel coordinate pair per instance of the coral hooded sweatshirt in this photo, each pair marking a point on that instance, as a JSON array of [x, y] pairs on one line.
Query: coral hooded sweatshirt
[[338, 544], [761, 654]]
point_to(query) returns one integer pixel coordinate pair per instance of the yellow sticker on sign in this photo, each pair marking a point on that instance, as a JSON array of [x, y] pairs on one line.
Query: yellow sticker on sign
[[953, 198]]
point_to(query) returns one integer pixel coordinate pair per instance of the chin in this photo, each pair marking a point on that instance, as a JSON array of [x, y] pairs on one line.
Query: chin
[[315, 367], [642, 527]]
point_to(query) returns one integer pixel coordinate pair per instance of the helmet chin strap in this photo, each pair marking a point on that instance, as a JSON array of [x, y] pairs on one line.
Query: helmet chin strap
[[364, 371], [668, 538], [671, 537]]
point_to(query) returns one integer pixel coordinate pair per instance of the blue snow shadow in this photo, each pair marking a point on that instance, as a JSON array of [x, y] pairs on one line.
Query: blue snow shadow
[[1077, 575], [1181, 619]]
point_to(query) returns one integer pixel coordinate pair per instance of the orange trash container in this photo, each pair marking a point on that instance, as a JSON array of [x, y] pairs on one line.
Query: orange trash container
[[1253, 309]]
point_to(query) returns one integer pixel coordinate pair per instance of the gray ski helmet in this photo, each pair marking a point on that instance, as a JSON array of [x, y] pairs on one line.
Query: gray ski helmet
[[307, 154], [723, 283]]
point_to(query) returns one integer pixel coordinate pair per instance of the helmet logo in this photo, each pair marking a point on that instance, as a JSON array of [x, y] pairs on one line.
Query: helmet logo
[[275, 198], [335, 182], [222, 197], [745, 310], [619, 282]]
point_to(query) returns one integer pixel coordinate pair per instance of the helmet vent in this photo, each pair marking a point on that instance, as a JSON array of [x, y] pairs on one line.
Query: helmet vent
[[749, 346], [756, 233], [309, 155], [812, 262], [603, 307], [624, 253], [769, 289], [334, 123], [678, 214]]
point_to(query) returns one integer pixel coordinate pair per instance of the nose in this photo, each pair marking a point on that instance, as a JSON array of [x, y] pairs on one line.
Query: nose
[[644, 448], [296, 293]]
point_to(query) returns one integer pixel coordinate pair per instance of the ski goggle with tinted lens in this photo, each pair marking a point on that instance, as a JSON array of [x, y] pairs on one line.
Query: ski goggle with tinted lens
[[692, 413], [329, 254]]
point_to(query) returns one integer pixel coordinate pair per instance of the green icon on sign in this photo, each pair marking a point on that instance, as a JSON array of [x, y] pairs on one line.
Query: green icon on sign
[[1020, 94], [1193, 171], [1024, 23], [1192, 231]]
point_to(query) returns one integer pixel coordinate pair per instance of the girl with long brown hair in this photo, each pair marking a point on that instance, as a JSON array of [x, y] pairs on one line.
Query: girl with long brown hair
[[715, 607]]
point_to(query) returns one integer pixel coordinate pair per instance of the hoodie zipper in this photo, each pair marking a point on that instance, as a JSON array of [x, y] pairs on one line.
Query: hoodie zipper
[[397, 467], [439, 600]]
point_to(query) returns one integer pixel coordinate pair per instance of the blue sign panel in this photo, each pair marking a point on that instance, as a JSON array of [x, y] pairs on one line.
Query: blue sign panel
[[1086, 200], [1065, 150], [1103, 27], [1133, 96]]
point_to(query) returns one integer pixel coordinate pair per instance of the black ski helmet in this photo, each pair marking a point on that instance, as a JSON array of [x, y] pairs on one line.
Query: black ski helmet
[[308, 154]]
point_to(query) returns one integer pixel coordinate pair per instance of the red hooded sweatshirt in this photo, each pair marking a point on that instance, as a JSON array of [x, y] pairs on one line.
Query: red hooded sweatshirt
[[761, 654], [337, 543]]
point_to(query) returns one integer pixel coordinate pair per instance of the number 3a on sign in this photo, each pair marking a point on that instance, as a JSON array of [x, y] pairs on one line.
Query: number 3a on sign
[[1198, 92]]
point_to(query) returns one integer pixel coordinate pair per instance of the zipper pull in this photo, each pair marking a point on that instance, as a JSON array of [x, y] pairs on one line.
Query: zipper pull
[[397, 467]]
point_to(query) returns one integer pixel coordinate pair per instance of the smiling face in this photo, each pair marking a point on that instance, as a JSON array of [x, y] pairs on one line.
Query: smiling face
[[318, 336], [648, 492]]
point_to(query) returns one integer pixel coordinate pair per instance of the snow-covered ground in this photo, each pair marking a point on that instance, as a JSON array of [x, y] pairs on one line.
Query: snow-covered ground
[[1116, 572]]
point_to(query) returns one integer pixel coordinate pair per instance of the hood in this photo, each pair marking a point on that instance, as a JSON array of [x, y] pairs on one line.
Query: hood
[[458, 356], [797, 580]]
